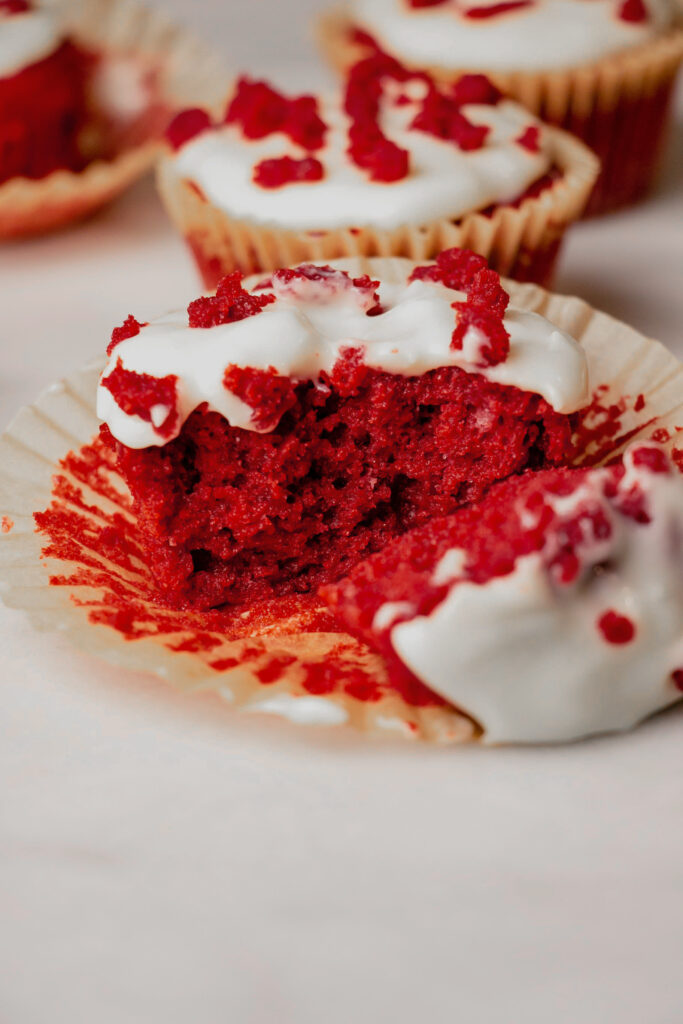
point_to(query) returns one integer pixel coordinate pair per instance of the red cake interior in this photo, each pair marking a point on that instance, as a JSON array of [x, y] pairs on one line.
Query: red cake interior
[[42, 115], [231, 515]]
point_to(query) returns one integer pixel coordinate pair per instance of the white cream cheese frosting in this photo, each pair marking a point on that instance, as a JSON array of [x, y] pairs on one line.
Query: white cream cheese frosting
[[444, 181], [304, 332], [523, 654], [26, 38], [543, 35]]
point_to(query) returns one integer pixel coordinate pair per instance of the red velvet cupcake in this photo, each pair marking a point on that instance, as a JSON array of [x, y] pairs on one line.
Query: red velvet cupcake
[[604, 70]]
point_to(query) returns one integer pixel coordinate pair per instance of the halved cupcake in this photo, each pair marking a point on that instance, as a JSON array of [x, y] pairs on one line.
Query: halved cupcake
[[395, 166], [549, 610], [86, 89], [604, 70], [273, 438]]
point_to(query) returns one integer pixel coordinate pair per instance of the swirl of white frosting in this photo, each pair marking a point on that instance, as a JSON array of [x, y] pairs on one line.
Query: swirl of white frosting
[[544, 35], [444, 181], [523, 655], [26, 38], [302, 336]]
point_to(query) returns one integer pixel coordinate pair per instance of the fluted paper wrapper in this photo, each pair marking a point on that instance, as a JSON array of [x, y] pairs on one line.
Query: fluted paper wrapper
[[185, 73], [256, 668], [518, 241], [618, 105]]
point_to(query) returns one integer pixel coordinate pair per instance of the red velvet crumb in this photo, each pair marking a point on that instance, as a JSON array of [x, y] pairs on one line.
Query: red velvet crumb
[[677, 676], [137, 394], [265, 391], [495, 10], [654, 459], [633, 11], [530, 139], [286, 170], [616, 628], [186, 125], [260, 110], [14, 6], [230, 303], [128, 329], [476, 89]]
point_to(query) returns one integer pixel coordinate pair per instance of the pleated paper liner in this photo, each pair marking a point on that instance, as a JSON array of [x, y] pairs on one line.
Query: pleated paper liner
[[519, 241], [183, 72], [84, 576], [618, 105]]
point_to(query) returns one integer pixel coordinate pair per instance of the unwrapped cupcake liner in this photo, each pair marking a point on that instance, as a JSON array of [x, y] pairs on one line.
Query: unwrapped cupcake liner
[[619, 105], [73, 579], [520, 241], [185, 73]]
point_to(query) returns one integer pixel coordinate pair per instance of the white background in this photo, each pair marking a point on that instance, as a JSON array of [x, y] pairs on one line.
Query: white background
[[165, 860]]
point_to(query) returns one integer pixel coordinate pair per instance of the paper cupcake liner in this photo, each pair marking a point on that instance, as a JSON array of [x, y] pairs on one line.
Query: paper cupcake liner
[[618, 106], [520, 241], [299, 666], [185, 73]]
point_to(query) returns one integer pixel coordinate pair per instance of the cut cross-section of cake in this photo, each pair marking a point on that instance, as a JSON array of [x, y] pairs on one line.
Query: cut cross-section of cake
[[550, 610], [273, 437]]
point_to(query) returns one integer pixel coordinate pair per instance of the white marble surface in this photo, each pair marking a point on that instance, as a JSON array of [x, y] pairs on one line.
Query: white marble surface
[[165, 860]]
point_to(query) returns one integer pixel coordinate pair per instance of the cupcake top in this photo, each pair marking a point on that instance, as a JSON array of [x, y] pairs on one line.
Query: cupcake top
[[394, 149], [27, 35], [551, 610], [238, 352], [515, 35]]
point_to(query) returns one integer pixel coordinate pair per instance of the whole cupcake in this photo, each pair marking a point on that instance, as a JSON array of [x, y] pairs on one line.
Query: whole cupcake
[[86, 90], [601, 69], [394, 166]]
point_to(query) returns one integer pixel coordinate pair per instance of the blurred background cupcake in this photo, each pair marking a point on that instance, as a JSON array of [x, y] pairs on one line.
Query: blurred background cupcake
[[391, 166], [86, 90], [601, 69]]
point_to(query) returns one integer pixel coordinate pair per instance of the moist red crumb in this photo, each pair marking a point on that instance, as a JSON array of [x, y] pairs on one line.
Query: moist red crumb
[[15, 6], [496, 10], [633, 10], [484, 309], [6, 524], [140, 394], [475, 89], [427, 3], [677, 677], [286, 170], [260, 110], [265, 391], [230, 303], [530, 139], [654, 459], [441, 116], [639, 403], [128, 329], [615, 628], [187, 125]]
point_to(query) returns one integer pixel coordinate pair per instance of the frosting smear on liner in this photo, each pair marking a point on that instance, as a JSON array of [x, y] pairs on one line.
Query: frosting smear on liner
[[535, 35]]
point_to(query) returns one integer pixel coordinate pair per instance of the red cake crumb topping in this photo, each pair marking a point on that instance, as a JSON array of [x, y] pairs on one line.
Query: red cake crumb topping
[[140, 394], [310, 282], [285, 170], [484, 309], [496, 10], [654, 459], [265, 391], [530, 139], [427, 3], [439, 114], [230, 303], [677, 676], [186, 125], [260, 110], [615, 628], [633, 11], [128, 329], [6, 524]]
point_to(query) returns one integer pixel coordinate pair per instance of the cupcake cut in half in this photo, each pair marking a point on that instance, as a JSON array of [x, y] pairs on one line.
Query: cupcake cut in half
[[394, 166], [271, 439], [603, 70]]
